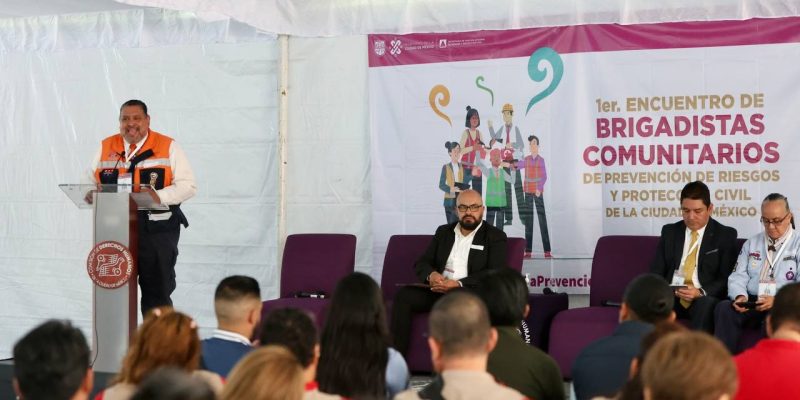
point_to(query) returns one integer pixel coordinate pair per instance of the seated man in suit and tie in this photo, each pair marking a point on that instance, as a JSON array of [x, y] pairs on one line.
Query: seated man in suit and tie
[[696, 255], [458, 256]]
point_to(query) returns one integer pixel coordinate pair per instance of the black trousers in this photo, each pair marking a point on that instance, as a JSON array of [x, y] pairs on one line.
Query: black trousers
[[729, 323], [527, 219], [407, 302], [700, 313], [157, 254]]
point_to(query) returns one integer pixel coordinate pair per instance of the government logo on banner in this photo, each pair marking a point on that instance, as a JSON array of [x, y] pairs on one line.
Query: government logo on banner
[[110, 264]]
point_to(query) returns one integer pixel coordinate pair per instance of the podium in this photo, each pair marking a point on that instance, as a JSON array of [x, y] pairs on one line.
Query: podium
[[114, 304]]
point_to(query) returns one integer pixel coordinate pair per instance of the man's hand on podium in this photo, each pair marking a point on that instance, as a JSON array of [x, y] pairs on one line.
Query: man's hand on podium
[[89, 198]]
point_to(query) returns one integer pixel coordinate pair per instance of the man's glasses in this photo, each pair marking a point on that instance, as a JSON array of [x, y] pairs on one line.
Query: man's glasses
[[776, 221], [472, 207]]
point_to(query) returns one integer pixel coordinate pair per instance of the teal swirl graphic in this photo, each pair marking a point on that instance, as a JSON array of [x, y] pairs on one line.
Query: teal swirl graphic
[[538, 75], [478, 81]]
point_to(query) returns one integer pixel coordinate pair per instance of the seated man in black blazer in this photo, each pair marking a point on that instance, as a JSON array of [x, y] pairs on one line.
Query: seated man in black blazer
[[458, 256], [696, 255]]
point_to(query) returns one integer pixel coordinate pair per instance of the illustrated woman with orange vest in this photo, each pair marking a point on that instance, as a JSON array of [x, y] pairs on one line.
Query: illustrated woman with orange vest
[[137, 155]]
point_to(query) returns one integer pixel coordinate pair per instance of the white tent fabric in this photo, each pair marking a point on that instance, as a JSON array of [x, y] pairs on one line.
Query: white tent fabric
[[213, 90], [337, 18], [212, 83]]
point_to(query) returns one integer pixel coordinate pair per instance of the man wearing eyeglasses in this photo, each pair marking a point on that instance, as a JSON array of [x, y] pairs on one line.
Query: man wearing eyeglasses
[[459, 255], [766, 263], [696, 254]]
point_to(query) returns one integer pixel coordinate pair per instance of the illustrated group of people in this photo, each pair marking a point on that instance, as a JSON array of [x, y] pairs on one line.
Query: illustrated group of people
[[507, 170]]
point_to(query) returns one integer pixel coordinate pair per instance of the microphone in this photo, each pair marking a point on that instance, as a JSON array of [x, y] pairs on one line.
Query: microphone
[[547, 290], [120, 156]]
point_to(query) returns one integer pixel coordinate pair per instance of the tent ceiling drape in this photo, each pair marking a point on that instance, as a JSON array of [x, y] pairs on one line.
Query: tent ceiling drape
[[322, 18]]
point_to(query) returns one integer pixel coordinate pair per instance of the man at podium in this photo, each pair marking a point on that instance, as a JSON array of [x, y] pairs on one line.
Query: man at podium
[[137, 155]]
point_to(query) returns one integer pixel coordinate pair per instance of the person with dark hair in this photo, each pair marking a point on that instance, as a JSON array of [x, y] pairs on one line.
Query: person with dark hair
[[170, 383], [769, 370], [514, 362], [355, 358], [473, 148], [512, 150], [696, 255], [767, 262], [460, 341], [633, 390], [51, 362], [603, 366], [453, 179], [237, 304], [460, 254], [688, 366], [294, 329], [138, 155], [533, 186]]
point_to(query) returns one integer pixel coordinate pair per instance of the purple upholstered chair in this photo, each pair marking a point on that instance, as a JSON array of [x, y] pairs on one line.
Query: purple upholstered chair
[[313, 262], [617, 260], [515, 250], [398, 268]]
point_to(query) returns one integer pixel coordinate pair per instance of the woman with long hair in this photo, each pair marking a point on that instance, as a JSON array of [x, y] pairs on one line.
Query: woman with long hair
[[166, 338], [355, 358], [267, 373], [472, 147]]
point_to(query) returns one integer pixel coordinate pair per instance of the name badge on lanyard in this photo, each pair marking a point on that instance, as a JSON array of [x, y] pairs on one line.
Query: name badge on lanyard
[[124, 179], [766, 284], [679, 277]]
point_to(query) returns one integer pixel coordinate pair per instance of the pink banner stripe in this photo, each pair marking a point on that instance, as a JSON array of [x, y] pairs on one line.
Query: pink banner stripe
[[424, 48]]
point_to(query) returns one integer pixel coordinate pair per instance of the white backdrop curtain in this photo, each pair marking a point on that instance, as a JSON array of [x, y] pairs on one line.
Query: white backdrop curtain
[[210, 85], [338, 18]]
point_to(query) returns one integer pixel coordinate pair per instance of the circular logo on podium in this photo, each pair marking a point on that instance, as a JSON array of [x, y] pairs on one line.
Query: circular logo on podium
[[110, 264]]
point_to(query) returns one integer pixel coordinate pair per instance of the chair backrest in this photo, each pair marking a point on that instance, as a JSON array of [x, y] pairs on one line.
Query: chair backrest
[[617, 260], [402, 253], [316, 262], [515, 249]]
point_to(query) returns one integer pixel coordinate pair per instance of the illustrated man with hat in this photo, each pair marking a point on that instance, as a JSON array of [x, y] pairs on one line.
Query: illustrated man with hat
[[512, 150]]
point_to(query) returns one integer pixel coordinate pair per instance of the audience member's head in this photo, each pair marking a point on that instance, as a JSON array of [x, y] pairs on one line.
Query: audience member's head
[[355, 341], [173, 384], [785, 313], [237, 303], [689, 366], [294, 329], [267, 373], [460, 332], [51, 362], [166, 338], [505, 295], [648, 298], [632, 390]]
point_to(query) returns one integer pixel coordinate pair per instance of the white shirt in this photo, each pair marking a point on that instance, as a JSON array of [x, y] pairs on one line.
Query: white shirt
[[230, 336], [459, 254], [687, 239], [183, 186]]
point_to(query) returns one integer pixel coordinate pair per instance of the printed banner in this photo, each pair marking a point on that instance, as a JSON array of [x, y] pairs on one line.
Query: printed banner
[[572, 133]]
